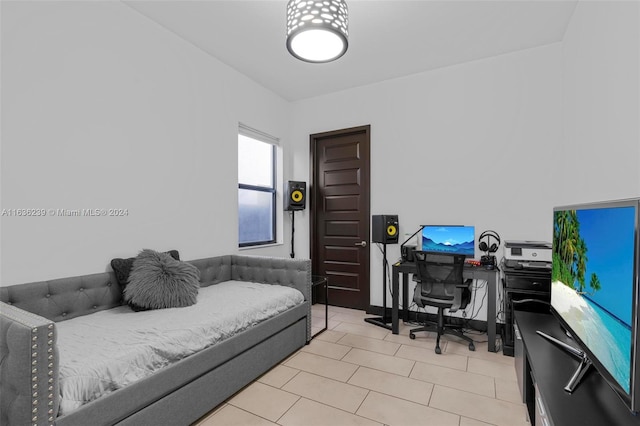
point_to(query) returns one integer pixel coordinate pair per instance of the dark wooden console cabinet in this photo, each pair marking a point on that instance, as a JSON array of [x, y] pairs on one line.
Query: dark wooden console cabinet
[[544, 369]]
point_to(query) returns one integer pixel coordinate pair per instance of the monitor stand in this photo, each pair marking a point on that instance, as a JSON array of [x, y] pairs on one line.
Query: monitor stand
[[583, 367]]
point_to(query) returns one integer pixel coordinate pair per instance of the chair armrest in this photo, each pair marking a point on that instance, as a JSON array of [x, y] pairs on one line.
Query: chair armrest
[[465, 284], [28, 368], [457, 295]]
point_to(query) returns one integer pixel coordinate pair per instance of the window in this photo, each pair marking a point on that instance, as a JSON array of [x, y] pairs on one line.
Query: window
[[256, 188]]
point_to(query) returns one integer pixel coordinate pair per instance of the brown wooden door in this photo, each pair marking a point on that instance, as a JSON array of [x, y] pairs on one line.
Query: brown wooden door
[[340, 213]]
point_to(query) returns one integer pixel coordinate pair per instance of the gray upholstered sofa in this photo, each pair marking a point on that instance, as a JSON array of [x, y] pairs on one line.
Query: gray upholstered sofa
[[177, 394]]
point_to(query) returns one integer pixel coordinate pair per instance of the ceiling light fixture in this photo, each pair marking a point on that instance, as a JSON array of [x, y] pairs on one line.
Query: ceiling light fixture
[[317, 30]]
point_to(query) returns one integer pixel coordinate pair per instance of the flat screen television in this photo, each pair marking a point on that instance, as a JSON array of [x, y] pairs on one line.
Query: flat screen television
[[447, 239], [594, 290]]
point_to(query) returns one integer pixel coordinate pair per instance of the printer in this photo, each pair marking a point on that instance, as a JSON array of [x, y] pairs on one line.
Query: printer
[[527, 254]]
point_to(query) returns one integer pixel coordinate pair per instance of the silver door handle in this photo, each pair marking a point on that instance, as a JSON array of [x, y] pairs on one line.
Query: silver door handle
[[362, 244]]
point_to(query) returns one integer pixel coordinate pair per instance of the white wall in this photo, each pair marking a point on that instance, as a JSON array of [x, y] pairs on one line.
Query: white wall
[[601, 94], [467, 144], [528, 131], [103, 108]]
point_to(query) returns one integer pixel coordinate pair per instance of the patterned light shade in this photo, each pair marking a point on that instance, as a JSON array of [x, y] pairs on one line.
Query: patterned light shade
[[317, 30]]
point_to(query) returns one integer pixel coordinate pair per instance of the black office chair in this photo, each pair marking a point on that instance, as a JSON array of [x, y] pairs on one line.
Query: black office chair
[[440, 284]]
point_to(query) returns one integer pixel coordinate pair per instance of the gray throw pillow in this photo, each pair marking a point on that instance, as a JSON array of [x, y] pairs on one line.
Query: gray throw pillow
[[122, 268], [159, 281]]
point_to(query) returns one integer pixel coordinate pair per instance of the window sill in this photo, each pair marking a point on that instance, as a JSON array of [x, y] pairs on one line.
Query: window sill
[[260, 246]]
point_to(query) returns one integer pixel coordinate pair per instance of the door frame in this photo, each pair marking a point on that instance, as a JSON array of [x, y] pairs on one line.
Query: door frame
[[314, 195]]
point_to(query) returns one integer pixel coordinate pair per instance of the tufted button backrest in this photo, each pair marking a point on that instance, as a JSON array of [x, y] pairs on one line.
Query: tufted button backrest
[[273, 270], [65, 298], [213, 270]]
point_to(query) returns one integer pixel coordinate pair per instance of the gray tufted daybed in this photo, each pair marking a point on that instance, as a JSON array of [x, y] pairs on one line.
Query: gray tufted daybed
[[30, 315]]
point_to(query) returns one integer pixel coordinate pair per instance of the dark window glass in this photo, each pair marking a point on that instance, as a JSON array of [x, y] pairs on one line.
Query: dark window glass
[[256, 192]]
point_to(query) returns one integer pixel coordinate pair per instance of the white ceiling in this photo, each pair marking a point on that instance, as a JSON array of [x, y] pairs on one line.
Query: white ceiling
[[387, 39]]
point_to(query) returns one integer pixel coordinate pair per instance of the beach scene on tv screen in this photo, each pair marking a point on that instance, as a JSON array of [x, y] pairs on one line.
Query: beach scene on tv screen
[[592, 282], [449, 239]]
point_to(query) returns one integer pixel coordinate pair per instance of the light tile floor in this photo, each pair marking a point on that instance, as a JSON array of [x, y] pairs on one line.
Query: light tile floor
[[356, 373]]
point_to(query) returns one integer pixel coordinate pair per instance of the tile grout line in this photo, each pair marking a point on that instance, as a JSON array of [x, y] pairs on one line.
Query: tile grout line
[[254, 414], [353, 374], [288, 409], [374, 390], [447, 346], [495, 388], [329, 405], [450, 412], [360, 405], [477, 394], [396, 396], [292, 377]]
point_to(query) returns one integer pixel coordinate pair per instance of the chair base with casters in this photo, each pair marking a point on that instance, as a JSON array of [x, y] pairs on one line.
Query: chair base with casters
[[440, 284], [441, 329]]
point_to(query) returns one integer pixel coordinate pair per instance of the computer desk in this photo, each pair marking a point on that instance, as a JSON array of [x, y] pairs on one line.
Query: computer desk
[[470, 272]]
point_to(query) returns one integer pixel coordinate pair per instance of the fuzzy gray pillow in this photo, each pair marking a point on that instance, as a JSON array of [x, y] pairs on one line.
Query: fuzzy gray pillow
[[159, 281]]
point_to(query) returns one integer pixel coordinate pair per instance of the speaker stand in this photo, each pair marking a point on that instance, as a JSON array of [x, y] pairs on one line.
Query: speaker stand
[[293, 229], [382, 321]]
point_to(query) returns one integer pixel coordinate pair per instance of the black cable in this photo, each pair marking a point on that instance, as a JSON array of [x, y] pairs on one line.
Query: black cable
[[474, 313], [293, 229], [476, 288], [386, 270], [472, 301], [484, 297], [500, 314], [517, 302]]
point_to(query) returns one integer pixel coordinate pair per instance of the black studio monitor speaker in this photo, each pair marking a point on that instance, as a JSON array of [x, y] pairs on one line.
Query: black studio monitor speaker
[[295, 197], [385, 228]]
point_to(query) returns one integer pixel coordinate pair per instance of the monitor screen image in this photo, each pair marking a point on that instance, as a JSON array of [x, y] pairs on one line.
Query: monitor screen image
[[594, 283], [448, 239]]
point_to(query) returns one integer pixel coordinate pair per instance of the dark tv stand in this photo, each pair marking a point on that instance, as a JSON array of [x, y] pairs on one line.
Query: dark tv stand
[[543, 370], [583, 367]]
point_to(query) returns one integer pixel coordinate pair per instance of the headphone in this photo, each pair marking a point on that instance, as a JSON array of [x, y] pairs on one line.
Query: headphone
[[484, 246]]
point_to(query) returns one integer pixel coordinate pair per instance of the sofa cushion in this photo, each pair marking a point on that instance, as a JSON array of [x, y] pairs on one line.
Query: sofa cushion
[[159, 281], [122, 268]]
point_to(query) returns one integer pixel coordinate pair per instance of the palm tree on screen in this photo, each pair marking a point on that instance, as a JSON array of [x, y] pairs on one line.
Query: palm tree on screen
[[595, 282], [580, 262], [570, 253]]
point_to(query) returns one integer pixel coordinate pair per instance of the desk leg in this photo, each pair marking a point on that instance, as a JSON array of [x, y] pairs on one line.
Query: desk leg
[[491, 311], [394, 302], [405, 297]]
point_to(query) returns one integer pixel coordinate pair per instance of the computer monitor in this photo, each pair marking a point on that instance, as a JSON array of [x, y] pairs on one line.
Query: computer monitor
[[447, 239]]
